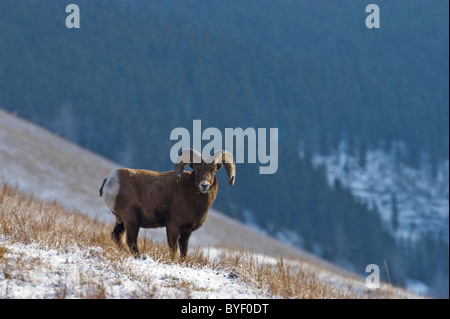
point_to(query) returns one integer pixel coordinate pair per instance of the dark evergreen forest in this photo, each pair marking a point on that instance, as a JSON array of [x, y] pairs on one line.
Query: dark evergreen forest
[[136, 70]]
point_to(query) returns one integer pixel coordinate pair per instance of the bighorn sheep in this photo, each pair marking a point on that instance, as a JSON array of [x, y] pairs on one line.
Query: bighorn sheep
[[178, 200]]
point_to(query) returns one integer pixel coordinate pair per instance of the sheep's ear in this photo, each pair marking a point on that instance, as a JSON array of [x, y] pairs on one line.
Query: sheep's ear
[[178, 171], [186, 157]]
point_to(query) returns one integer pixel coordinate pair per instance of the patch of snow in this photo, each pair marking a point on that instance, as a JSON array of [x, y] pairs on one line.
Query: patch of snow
[[76, 273], [421, 199]]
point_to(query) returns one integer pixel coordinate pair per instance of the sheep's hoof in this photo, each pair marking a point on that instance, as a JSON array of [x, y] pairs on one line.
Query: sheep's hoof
[[173, 256], [137, 256], [135, 253], [116, 240]]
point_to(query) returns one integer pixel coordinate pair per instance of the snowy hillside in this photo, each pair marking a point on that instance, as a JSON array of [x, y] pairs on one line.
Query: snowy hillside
[[46, 252], [411, 201]]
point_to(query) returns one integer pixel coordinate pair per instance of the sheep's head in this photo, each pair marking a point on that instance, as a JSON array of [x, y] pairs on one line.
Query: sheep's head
[[205, 169]]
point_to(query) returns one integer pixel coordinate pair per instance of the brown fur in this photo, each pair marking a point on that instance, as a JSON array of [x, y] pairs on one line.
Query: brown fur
[[150, 199]]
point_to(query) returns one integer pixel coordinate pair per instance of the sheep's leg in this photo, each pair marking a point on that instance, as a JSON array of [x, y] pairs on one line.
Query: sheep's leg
[[117, 233], [172, 240], [184, 242], [132, 231]]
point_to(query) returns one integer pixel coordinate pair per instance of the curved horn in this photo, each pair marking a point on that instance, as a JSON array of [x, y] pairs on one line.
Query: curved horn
[[186, 157], [225, 158]]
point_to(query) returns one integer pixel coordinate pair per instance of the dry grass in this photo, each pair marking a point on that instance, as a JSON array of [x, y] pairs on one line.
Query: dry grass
[[26, 220]]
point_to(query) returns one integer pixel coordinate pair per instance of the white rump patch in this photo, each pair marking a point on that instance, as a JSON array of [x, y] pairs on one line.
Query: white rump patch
[[111, 189]]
